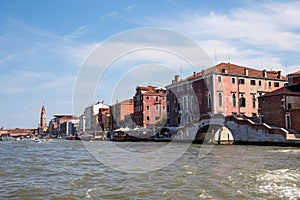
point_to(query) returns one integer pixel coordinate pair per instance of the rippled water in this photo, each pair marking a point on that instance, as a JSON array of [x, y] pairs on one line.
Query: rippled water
[[65, 170]]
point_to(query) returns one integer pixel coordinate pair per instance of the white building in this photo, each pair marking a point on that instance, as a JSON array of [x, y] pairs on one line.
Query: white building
[[89, 119]]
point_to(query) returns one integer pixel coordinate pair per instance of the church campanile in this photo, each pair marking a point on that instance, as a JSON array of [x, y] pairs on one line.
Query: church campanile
[[42, 126], [43, 117]]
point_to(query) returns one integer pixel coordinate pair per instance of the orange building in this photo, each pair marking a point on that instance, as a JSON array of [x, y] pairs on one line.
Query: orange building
[[118, 113]]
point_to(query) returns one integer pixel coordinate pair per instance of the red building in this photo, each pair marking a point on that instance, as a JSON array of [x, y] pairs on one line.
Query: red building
[[282, 106], [149, 105], [225, 88], [104, 119]]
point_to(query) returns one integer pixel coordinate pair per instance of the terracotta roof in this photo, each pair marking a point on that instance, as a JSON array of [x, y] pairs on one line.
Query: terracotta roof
[[295, 73], [292, 90], [228, 68]]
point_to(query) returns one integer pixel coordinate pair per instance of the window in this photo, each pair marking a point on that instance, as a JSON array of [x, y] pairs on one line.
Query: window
[[234, 100], [168, 108], [147, 98], [252, 82], [241, 81], [289, 106], [164, 108], [220, 99], [242, 102], [270, 83], [233, 80], [219, 79], [276, 84], [192, 102], [157, 107], [148, 118], [259, 82], [254, 114], [179, 120], [148, 108], [253, 101], [164, 98], [287, 121], [156, 99], [185, 103], [209, 100]]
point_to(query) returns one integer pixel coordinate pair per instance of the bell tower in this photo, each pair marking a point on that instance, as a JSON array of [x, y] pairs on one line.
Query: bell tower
[[42, 128], [43, 117]]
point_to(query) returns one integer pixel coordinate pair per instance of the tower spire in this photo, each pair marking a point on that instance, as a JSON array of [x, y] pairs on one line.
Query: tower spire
[[43, 126]]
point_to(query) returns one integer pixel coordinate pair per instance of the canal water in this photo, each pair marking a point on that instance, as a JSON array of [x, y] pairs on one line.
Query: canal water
[[66, 170]]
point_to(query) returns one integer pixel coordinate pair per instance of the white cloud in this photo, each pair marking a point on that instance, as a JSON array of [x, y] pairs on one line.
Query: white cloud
[[266, 30], [21, 81], [76, 33], [130, 7]]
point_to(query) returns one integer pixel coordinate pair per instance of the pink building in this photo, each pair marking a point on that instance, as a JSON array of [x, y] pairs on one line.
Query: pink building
[[149, 105], [225, 88]]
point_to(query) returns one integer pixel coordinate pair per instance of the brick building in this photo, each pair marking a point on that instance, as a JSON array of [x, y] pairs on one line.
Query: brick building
[[282, 106], [61, 125], [225, 88], [149, 105], [120, 112]]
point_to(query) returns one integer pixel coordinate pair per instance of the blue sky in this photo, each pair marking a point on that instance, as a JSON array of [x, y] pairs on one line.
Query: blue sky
[[43, 44]]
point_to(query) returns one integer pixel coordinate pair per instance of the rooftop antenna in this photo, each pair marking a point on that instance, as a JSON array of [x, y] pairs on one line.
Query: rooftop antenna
[[285, 65], [215, 56], [180, 70], [228, 57], [261, 62]]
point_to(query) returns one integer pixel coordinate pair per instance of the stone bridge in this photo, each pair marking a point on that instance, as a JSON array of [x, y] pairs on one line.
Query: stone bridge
[[219, 129]]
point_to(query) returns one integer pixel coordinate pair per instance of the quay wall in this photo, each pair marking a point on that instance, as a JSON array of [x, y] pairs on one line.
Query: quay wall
[[245, 131]]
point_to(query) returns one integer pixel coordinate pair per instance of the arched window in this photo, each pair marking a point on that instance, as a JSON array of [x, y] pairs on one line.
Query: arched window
[[253, 101], [220, 99], [234, 99], [209, 100]]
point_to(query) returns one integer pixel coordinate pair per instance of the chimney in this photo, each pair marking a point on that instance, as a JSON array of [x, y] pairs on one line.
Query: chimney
[[279, 74], [264, 73], [177, 78], [194, 74], [246, 72]]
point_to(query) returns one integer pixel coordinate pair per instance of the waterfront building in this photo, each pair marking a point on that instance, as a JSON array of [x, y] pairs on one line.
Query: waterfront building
[[226, 88], [17, 132], [120, 112], [62, 125], [89, 120], [149, 105], [281, 107], [104, 119]]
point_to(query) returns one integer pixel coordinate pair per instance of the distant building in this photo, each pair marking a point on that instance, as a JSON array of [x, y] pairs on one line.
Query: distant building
[[149, 105], [89, 120], [42, 126], [282, 107], [120, 112], [62, 125], [225, 88], [104, 119]]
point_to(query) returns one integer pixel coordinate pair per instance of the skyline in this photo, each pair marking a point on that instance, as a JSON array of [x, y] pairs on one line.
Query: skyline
[[44, 44]]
